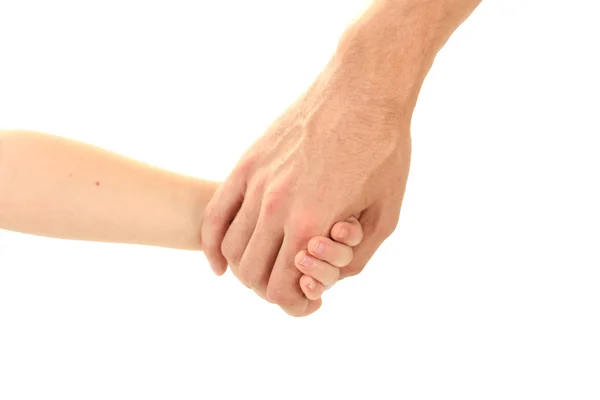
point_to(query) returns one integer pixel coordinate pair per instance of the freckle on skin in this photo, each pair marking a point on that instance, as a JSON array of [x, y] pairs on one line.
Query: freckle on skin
[[97, 183]]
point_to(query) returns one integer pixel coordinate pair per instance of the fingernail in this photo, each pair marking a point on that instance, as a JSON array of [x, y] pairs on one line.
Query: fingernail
[[318, 248], [311, 284], [307, 261], [343, 232]]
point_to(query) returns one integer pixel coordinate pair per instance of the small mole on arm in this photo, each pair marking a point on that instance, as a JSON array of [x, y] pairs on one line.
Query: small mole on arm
[[70, 175], [97, 183]]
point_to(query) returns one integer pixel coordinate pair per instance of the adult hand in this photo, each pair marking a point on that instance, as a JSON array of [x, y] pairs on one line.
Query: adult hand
[[342, 149], [323, 161]]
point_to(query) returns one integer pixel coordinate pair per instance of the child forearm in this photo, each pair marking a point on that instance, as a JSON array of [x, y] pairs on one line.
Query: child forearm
[[56, 187]]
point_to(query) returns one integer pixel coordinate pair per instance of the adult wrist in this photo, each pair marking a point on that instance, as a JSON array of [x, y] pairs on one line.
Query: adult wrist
[[379, 55], [392, 46]]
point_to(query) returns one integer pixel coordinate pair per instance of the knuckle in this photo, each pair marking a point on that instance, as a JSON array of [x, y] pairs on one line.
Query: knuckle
[[304, 225], [209, 241], [212, 216], [246, 164], [281, 297], [277, 193], [230, 252], [273, 203], [274, 296], [295, 313], [251, 276], [246, 276], [259, 184]]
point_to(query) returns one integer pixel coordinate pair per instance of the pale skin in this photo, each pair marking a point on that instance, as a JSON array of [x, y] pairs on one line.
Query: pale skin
[[341, 150], [56, 187]]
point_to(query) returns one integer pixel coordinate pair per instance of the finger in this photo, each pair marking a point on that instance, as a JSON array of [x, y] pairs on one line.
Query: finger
[[260, 256], [332, 252], [283, 287], [238, 235], [312, 289], [347, 232], [323, 272], [220, 211], [313, 305], [265, 244], [376, 226]]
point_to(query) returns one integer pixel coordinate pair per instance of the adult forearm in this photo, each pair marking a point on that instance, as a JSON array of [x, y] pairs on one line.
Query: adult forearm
[[393, 45]]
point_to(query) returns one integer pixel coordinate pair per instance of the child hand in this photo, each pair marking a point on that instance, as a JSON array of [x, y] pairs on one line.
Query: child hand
[[322, 261]]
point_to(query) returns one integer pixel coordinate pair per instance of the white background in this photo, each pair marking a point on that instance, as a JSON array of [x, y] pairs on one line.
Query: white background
[[489, 289]]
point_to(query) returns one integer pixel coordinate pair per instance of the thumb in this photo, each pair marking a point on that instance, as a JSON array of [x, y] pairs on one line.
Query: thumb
[[375, 232]]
